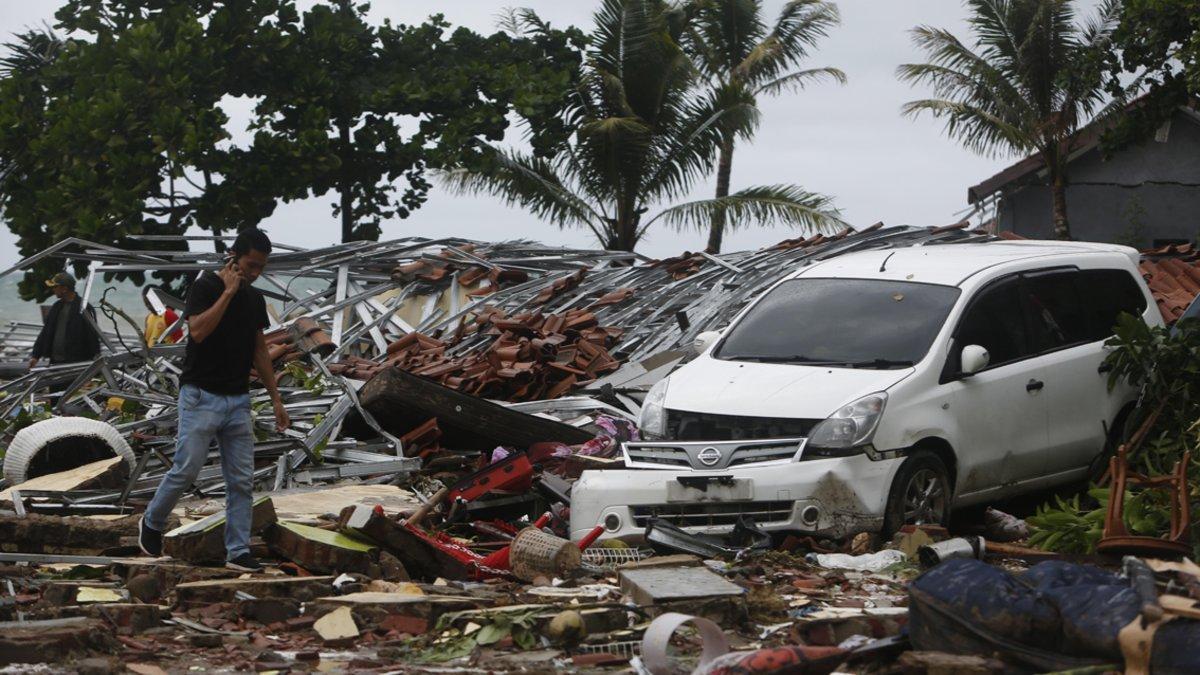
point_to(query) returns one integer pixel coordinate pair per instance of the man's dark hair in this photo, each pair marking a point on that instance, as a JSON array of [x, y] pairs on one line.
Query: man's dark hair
[[251, 238]]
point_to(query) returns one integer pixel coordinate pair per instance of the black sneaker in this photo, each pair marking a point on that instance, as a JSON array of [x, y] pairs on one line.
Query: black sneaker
[[244, 563], [149, 539]]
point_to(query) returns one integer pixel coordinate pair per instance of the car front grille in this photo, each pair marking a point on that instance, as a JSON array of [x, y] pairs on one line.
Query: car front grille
[[690, 426], [667, 456], [712, 514]]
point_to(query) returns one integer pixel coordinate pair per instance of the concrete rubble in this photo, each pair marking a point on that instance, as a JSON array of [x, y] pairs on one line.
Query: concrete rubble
[[445, 396]]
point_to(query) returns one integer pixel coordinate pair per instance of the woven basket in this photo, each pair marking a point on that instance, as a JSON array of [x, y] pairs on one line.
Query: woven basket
[[535, 553]]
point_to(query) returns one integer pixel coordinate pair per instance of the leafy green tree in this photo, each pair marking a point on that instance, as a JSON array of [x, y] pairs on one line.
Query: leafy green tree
[[118, 131], [643, 133], [1158, 41], [356, 109], [742, 58], [1032, 80]]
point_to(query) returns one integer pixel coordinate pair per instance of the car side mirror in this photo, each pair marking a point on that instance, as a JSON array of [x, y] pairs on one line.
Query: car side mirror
[[974, 359], [705, 340]]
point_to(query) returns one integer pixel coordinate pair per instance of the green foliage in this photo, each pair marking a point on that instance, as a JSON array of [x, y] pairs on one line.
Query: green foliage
[[23, 418], [1067, 526], [496, 626], [740, 57], [1164, 364], [118, 129], [1135, 234], [313, 382], [352, 108], [643, 131], [1158, 40], [1032, 79]]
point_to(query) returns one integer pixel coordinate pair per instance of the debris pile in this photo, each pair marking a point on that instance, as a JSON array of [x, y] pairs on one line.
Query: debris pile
[[445, 395]]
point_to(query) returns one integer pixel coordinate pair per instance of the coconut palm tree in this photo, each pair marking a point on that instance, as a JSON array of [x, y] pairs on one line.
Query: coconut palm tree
[[1033, 79], [642, 133], [742, 58]]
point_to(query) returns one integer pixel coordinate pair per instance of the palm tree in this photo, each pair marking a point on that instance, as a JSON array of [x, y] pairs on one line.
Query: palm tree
[[742, 58], [1033, 79], [642, 133]]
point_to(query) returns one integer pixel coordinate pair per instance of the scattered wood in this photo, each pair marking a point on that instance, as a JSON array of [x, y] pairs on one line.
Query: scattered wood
[[369, 603], [105, 473], [226, 590], [941, 663], [308, 505], [401, 402]]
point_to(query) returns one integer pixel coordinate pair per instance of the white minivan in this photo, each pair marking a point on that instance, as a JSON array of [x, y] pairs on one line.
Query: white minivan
[[880, 388]]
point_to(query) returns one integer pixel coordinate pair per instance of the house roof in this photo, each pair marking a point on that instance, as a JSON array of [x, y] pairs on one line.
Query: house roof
[[1084, 140]]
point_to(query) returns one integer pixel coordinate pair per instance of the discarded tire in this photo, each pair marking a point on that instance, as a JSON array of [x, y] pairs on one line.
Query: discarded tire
[[62, 444]]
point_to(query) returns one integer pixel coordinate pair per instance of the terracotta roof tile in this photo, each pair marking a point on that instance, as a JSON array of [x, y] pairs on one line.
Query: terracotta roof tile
[[1173, 275]]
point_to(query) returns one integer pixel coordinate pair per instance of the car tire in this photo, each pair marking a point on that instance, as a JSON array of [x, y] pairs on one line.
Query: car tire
[[908, 502]]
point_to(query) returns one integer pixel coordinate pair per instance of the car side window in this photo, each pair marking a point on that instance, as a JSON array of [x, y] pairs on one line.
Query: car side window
[[995, 322], [1055, 305], [1105, 295]]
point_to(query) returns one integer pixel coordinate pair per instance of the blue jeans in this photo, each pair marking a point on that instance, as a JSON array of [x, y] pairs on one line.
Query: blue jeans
[[204, 416]]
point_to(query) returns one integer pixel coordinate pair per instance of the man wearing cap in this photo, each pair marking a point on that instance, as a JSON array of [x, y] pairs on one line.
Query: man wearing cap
[[66, 335]]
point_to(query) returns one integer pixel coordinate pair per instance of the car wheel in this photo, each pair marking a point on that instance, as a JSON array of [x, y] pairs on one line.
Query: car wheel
[[920, 493]]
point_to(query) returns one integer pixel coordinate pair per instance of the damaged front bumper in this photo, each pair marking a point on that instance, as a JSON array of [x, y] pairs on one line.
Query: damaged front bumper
[[833, 497]]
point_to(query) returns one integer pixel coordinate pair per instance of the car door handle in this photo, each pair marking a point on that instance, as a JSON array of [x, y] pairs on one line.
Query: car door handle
[[1104, 368], [1034, 385]]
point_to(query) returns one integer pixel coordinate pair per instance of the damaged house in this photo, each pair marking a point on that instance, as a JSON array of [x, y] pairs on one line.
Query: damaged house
[[1144, 195]]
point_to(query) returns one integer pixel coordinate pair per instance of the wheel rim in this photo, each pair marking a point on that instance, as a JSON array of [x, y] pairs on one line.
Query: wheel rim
[[924, 498]]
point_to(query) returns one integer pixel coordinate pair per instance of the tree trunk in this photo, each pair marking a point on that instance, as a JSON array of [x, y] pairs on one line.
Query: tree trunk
[[218, 243], [346, 204], [623, 236], [1058, 191], [716, 231]]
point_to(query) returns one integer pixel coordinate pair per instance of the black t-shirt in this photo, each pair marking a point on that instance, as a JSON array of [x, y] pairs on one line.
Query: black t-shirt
[[221, 364]]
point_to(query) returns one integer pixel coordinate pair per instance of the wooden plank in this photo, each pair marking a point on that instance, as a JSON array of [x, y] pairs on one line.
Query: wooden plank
[[225, 590], [401, 401], [105, 473]]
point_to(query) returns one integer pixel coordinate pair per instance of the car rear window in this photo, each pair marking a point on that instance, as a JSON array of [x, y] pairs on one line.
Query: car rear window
[[1078, 306], [864, 323]]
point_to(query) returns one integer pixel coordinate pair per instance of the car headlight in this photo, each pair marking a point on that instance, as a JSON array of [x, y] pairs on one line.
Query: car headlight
[[652, 424], [849, 430]]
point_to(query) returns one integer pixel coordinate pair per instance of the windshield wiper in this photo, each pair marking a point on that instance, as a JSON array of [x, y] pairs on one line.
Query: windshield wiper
[[806, 360], [879, 364]]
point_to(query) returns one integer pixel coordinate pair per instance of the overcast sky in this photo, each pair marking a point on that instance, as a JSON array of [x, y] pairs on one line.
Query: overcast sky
[[846, 141]]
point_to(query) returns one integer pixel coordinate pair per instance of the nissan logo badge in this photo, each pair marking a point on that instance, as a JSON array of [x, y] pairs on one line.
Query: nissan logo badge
[[709, 456]]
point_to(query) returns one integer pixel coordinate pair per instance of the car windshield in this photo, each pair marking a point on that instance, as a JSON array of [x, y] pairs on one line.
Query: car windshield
[[850, 323]]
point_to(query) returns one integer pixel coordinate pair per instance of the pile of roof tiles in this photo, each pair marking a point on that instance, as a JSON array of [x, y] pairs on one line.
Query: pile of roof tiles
[[530, 357], [1173, 275]]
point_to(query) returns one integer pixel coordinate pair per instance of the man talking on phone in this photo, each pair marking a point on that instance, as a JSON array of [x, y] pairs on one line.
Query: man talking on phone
[[225, 317]]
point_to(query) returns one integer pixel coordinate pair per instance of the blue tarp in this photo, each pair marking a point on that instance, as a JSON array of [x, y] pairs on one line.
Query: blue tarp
[[1055, 616]]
